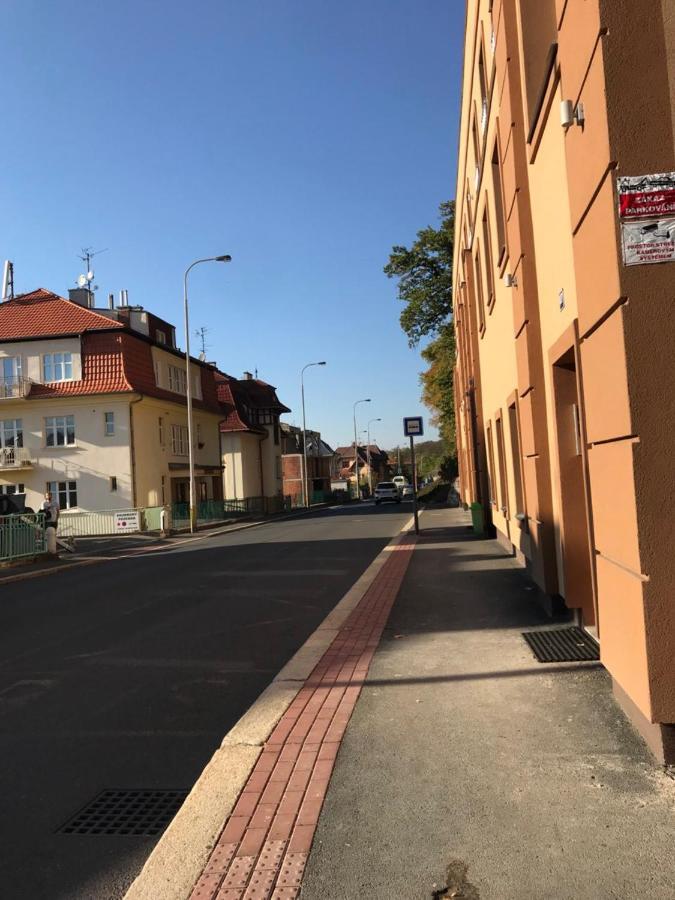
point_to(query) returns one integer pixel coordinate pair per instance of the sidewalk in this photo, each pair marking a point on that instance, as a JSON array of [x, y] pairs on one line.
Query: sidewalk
[[443, 760]]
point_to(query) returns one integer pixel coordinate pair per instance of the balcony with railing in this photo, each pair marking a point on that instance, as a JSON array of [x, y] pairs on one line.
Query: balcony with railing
[[15, 458], [13, 388]]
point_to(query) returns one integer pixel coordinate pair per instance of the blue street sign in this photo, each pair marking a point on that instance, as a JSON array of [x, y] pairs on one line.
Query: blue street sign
[[412, 426]]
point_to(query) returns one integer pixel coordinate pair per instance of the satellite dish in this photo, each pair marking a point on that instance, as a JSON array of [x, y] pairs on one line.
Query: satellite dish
[[90, 276], [82, 280]]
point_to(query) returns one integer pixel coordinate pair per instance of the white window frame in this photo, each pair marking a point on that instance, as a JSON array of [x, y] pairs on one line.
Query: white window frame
[[53, 425], [12, 428], [59, 360], [177, 380], [9, 490], [180, 440], [59, 489], [109, 424]]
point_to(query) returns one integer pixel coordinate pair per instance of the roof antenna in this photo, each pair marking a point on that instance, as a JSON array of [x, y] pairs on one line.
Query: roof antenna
[[256, 372], [200, 334], [85, 280]]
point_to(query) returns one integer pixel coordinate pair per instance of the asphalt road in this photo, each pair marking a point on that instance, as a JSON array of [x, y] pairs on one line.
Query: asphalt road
[[127, 674]]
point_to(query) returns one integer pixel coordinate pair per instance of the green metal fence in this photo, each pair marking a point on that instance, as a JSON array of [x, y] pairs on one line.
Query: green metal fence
[[217, 510], [22, 535]]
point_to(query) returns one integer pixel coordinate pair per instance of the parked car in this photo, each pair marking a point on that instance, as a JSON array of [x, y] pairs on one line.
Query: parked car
[[406, 492], [386, 491]]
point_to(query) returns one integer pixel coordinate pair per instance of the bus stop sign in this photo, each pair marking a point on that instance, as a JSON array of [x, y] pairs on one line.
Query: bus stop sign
[[412, 426]]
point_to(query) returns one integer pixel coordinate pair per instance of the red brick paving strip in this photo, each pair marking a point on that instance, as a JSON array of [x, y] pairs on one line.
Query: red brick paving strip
[[263, 848]]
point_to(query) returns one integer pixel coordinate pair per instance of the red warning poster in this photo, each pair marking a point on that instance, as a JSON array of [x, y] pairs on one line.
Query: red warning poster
[[647, 217]]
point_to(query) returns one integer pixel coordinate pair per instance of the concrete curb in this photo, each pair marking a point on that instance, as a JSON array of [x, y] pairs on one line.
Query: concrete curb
[[179, 857]]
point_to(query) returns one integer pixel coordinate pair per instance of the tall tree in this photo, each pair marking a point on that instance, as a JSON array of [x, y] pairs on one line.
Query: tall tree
[[425, 286], [425, 277]]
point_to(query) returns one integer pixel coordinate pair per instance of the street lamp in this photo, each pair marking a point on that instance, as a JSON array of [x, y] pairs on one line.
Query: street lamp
[[188, 385], [356, 447], [305, 480], [370, 471]]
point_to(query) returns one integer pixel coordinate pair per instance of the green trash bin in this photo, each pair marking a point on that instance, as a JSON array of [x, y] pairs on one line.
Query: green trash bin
[[478, 518]]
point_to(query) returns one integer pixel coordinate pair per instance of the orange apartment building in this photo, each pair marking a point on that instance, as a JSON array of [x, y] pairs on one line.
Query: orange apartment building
[[565, 378]]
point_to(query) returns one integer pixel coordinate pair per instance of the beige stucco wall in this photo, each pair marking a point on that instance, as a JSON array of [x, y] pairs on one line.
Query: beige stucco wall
[[242, 454], [152, 457], [91, 462]]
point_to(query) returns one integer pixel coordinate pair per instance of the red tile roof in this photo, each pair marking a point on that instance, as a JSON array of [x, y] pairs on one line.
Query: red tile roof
[[44, 314]]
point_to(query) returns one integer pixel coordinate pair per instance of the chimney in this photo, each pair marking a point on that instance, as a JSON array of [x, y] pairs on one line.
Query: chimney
[[81, 296], [248, 376], [124, 298], [111, 301]]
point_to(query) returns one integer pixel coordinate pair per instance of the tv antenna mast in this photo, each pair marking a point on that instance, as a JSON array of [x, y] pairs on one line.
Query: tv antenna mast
[[85, 280], [200, 334]]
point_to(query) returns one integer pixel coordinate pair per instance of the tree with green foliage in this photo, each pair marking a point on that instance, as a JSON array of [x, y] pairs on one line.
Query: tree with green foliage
[[425, 286]]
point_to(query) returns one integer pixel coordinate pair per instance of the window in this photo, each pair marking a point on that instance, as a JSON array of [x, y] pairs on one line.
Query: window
[[160, 337], [487, 247], [60, 431], [10, 489], [179, 440], [476, 150], [65, 492], [203, 492], [276, 430], [480, 301], [499, 205], [483, 92], [491, 466], [109, 418], [200, 442], [501, 457], [540, 34], [113, 483], [57, 367], [177, 380], [516, 457], [11, 433], [10, 370], [160, 423]]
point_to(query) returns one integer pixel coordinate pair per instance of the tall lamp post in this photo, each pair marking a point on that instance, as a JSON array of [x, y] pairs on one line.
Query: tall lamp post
[[305, 480], [370, 471], [356, 447], [188, 382]]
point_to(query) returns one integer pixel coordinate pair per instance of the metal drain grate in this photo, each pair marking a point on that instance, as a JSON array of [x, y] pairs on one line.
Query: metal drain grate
[[562, 645], [137, 813]]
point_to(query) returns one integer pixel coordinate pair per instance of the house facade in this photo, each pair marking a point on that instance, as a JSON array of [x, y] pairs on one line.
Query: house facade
[[319, 460], [92, 407], [250, 437], [374, 464], [563, 318]]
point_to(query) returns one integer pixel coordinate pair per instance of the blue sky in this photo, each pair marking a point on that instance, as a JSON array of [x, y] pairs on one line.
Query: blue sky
[[303, 137]]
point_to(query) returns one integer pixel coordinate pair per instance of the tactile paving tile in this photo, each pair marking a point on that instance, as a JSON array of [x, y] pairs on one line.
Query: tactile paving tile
[[239, 872], [220, 858], [292, 870], [260, 886], [271, 855]]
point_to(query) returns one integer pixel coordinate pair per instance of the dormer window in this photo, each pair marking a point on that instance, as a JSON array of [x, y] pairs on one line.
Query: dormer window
[[57, 367], [160, 337]]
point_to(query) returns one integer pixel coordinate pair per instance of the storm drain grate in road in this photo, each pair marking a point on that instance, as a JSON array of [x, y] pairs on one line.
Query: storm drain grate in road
[[562, 645], [137, 813]]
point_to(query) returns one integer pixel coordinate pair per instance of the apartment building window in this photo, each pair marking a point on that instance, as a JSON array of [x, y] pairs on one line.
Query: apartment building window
[[160, 425], [516, 456], [540, 35], [8, 490], [179, 440], [480, 298], [109, 420], [492, 487], [65, 492], [11, 433], [497, 190], [501, 459], [177, 380], [60, 431], [476, 149], [160, 337], [487, 247], [113, 483], [57, 367], [483, 91]]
